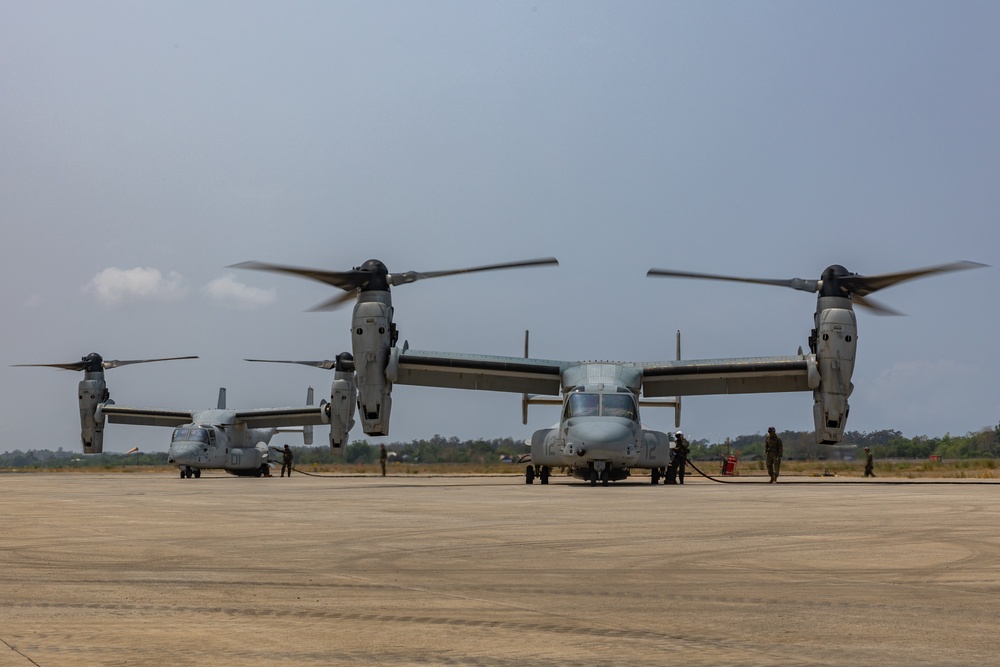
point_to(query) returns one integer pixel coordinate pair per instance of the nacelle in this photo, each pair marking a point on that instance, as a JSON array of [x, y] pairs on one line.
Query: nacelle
[[372, 335], [343, 396], [836, 343], [92, 393]]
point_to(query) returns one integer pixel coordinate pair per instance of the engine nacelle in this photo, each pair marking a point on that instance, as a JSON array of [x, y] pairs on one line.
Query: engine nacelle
[[372, 337], [836, 342], [343, 396], [92, 393]]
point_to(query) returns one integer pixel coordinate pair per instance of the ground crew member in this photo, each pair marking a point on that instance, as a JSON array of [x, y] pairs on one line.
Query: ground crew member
[[773, 451], [286, 461], [382, 456], [681, 451], [869, 463]]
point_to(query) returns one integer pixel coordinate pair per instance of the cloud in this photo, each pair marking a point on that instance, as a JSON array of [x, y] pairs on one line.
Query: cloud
[[231, 293], [113, 286]]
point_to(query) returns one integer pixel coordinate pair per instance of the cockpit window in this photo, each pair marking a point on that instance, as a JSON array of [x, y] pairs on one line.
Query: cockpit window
[[583, 405], [590, 405], [191, 435], [619, 405]]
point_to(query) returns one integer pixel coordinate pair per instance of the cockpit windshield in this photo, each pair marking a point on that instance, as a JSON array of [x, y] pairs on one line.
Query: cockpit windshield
[[592, 405], [619, 405], [190, 435], [583, 405]]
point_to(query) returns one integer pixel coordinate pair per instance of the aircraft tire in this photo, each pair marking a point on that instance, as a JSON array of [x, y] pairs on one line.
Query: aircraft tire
[[529, 475], [543, 475], [654, 476], [197, 473], [605, 475]]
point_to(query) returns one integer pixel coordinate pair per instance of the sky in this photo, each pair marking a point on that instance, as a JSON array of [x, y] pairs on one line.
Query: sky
[[146, 147]]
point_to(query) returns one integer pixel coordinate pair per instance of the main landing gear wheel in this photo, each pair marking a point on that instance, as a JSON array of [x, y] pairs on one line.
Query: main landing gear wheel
[[605, 476], [593, 477], [529, 475], [654, 476], [543, 474]]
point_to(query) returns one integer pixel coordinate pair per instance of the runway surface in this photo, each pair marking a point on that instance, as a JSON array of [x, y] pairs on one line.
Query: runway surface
[[149, 569]]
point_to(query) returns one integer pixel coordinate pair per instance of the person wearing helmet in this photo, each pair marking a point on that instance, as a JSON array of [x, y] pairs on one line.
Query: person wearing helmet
[[869, 464], [675, 474], [773, 451]]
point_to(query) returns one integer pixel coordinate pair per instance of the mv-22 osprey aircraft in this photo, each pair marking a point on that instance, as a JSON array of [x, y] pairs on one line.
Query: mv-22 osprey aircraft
[[236, 441], [600, 435]]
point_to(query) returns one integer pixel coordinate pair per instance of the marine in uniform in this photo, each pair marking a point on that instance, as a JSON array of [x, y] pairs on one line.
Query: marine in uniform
[[773, 452]]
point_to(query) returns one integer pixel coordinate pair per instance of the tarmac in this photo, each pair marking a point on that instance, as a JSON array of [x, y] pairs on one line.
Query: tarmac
[[151, 569]]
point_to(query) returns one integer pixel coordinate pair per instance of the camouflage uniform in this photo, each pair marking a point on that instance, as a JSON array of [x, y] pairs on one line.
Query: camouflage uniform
[[286, 461], [382, 456], [869, 464], [773, 451], [681, 451]]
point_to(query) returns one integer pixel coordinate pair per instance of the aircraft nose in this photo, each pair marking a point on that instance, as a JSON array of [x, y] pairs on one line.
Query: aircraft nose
[[182, 454], [600, 438]]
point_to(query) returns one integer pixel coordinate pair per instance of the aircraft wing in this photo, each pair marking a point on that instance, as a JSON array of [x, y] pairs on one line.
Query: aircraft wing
[[309, 415], [476, 371], [120, 414], [750, 375]]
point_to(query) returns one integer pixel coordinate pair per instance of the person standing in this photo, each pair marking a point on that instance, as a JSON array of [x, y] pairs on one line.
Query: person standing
[[286, 461], [382, 456], [773, 452], [869, 464], [681, 451]]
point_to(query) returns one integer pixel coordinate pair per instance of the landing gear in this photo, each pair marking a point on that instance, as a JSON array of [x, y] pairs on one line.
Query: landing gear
[[605, 476], [654, 476], [541, 472], [188, 472]]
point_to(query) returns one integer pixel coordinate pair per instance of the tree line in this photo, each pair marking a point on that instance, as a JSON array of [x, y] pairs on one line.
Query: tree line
[[800, 445]]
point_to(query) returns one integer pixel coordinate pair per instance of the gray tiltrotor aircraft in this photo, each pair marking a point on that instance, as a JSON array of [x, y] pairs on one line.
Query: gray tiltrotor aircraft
[[600, 436], [236, 441]]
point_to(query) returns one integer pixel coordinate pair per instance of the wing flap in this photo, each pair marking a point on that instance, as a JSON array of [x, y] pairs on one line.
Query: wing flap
[[120, 414], [752, 375], [280, 417], [482, 372]]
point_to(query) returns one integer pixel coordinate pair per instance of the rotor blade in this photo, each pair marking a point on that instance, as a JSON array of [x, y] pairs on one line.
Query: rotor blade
[[863, 285], [73, 366], [795, 283], [335, 302], [114, 363], [873, 305], [412, 276], [345, 280], [327, 365]]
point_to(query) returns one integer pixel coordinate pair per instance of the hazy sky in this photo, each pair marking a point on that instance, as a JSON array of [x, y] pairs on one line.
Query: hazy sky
[[146, 146]]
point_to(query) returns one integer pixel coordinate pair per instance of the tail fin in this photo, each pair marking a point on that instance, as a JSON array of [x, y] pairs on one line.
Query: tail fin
[[307, 431], [222, 398]]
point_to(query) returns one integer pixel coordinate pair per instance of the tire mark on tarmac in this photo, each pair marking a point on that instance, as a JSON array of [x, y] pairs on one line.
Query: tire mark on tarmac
[[584, 629]]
